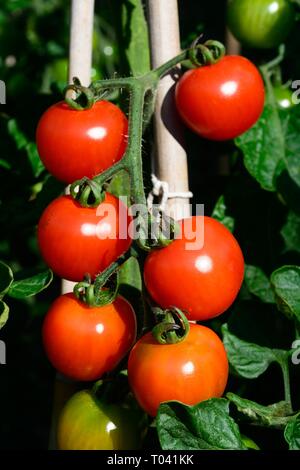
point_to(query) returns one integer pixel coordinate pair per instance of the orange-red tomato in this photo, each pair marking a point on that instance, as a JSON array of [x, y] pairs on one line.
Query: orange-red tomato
[[223, 100], [73, 144], [201, 280], [76, 240], [193, 370], [84, 342]]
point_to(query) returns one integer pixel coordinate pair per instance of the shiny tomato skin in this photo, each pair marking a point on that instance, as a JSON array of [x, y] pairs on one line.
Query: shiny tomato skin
[[84, 342], [284, 97], [261, 24], [204, 281], [74, 240], [86, 423], [221, 101], [73, 144], [191, 371]]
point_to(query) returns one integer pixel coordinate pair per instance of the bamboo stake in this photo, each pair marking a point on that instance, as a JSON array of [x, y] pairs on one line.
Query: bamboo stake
[[80, 63], [170, 161]]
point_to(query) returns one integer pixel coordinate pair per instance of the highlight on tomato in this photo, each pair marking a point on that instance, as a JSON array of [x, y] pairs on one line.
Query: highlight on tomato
[[223, 100], [84, 342], [76, 240], [74, 144], [200, 272], [87, 423], [189, 371]]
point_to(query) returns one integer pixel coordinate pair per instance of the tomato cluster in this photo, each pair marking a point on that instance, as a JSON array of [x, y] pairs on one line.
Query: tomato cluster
[[200, 272]]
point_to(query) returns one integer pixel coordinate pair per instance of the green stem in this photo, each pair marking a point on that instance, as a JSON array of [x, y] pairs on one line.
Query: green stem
[[286, 380], [275, 62], [164, 68]]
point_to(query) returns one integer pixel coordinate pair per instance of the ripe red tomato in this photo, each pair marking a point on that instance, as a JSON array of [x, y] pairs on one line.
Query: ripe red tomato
[[223, 100], [193, 370], [73, 144], [75, 240], [86, 423], [201, 280], [84, 342]]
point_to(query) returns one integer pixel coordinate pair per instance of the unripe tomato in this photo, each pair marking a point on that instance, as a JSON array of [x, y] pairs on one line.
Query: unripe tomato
[[261, 23], [284, 97], [221, 101], [84, 342], [200, 272], [76, 240], [89, 424], [191, 371], [73, 144]]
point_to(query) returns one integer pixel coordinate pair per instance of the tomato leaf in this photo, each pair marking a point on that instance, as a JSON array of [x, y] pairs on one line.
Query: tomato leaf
[[30, 286], [272, 145], [285, 282], [249, 360], [203, 426], [137, 45], [271, 415], [23, 143], [4, 311], [219, 213], [292, 434], [258, 284], [6, 278]]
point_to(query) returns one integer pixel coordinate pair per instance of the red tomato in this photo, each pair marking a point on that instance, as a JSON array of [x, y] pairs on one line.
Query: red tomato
[[223, 100], [84, 342], [73, 144], [76, 240], [202, 279], [193, 370]]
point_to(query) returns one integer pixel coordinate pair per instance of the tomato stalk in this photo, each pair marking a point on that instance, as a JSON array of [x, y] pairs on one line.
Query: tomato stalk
[[142, 91], [173, 326]]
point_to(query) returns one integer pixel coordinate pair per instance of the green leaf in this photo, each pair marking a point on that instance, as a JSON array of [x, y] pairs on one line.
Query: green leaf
[[30, 286], [291, 232], [271, 145], [285, 282], [6, 278], [219, 213], [258, 284], [23, 143], [203, 426], [292, 434], [274, 415], [4, 311], [249, 360], [137, 45]]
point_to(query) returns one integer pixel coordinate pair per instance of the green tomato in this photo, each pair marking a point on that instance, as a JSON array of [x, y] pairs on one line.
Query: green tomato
[[262, 24], [284, 97], [85, 423], [58, 71]]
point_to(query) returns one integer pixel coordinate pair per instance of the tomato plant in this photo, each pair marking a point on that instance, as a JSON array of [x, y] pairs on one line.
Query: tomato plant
[[84, 342], [73, 145], [261, 23], [190, 371], [204, 260], [76, 240], [223, 100], [86, 423]]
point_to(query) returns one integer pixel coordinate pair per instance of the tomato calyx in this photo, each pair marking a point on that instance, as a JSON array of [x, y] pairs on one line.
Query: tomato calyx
[[206, 54], [84, 98], [98, 293], [173, 326], [87, 192]]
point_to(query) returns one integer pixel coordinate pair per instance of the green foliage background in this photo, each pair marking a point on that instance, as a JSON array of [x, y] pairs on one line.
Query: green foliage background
[[265, 211]]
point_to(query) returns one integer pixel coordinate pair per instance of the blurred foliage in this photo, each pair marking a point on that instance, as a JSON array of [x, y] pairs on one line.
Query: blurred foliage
[[34, 37]]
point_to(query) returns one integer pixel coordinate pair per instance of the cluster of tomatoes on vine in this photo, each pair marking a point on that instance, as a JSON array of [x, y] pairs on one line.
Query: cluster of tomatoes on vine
[[86, 336]]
